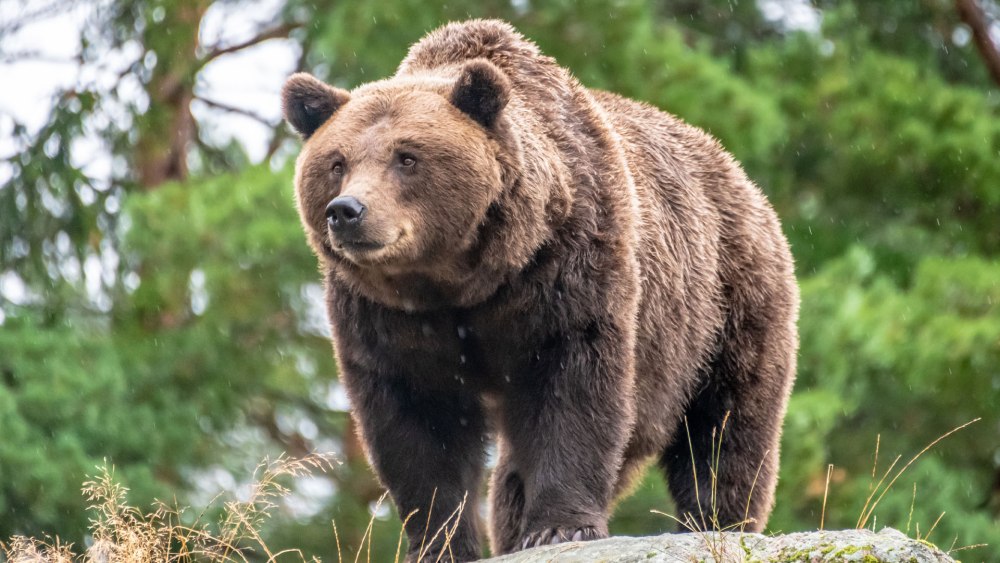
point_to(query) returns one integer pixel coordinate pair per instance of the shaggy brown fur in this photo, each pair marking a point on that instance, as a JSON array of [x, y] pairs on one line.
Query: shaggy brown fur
[[572, 272]]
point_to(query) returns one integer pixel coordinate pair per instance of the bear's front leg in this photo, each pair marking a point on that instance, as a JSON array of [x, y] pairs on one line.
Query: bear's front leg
[[566, 422], [427, 449]]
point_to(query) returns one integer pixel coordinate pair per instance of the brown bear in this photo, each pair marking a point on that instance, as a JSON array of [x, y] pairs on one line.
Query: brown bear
[[584, 279]]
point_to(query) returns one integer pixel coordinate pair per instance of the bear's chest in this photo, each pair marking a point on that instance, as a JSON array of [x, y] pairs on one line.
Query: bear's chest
[[481, 350]]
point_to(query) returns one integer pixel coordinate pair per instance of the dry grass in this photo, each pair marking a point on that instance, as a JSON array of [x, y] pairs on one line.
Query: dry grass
[[125, 534], [872, 501], [708, 525]]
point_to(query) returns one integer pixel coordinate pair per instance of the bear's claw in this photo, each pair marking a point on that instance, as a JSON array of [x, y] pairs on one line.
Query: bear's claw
[[552, 536]]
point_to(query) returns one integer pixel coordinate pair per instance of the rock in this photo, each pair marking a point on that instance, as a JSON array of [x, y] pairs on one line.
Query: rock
[[733, 547]]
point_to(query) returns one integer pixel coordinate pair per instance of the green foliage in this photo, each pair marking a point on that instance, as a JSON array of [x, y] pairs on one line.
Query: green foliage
[[908, 363], [922, 32], [877, 140], [881, 138], [48, 199], [66, 406]]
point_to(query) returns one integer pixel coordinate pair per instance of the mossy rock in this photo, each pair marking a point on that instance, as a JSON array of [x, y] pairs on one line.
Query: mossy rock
[[863, 546]]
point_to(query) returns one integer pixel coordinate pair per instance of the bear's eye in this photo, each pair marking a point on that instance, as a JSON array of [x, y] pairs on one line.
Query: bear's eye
[[338, 168], [407, 160]]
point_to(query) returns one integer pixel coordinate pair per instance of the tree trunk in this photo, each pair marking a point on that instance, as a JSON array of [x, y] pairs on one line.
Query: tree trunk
[[973, 16], [167, 128]]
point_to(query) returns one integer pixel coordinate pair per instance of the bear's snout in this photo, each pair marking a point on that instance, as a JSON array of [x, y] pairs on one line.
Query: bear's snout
[[354, 232], [345, 214]]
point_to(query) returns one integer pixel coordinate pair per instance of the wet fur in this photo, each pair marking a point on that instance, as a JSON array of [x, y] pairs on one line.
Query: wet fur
[[622, 274]]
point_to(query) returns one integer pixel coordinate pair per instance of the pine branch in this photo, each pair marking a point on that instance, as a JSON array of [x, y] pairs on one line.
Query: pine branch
[[234, 109], [278, 32], [36, 56], [26, 18]]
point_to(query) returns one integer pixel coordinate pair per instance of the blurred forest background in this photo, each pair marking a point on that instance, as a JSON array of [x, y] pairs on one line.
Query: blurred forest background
[[160, 313]]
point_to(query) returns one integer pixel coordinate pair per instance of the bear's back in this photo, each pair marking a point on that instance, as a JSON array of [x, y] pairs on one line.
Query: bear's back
[[493, 40]]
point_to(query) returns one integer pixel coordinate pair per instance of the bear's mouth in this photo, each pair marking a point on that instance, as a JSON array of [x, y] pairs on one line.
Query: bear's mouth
[[359, 245], [363, 251]]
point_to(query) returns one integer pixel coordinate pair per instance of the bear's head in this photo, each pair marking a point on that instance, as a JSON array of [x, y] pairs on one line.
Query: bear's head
[[398, 180]]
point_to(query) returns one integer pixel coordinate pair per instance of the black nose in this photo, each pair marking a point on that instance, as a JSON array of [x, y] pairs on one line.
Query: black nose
[[345, 211]]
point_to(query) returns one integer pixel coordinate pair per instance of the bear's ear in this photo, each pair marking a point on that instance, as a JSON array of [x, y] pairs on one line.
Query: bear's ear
[[481, 91], [307, 103]]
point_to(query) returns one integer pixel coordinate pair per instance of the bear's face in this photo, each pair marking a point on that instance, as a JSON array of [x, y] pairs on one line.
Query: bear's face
[[396, 177]]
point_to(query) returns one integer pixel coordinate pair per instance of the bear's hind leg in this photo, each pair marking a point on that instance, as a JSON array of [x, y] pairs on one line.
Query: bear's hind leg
[[735, 462]]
